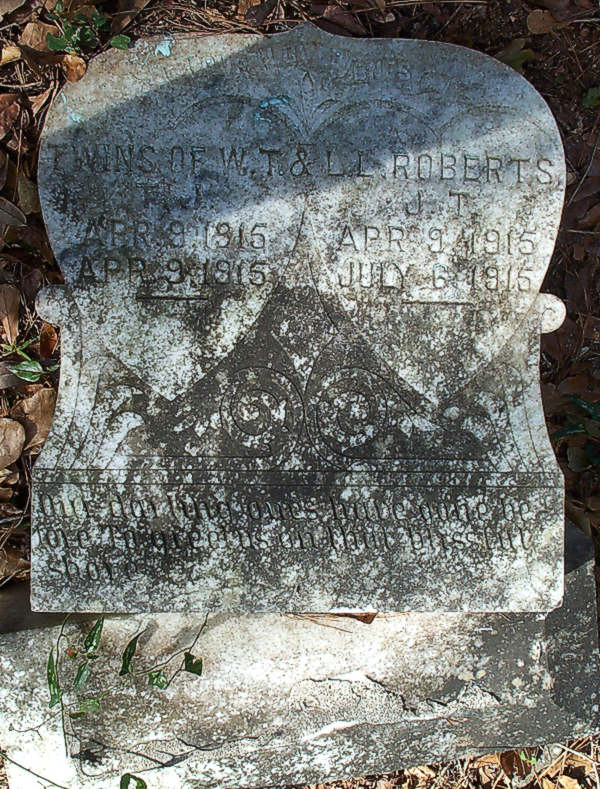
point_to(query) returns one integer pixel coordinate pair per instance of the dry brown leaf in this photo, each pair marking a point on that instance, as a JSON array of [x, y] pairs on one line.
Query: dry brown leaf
[[38, 60], [31, 284], [539, 22], [578, 461], [421, 773], [8, 476], [35, 414], [589, 187], [8, 510], [565, 782], [8, 6], [29, 389], [10, 214], [547, 783], [344, 21], [592, 217], [581, 384], [513, 765], [492, 759], [579, 762], [4, 168], [487, 776], [10, 109], [86, 11], [37, 102], [7, 379], [128, 9], [35, 238], [554, 401], [48, 340], [35, 33], [28, 195], [12, 439], [9, 54], [244, 5], [593, 504], [73, 67], [11, 561], [9, 311]]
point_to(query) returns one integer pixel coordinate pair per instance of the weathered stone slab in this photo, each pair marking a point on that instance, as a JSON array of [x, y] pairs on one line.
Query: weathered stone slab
[[300, 331], [287, 699]]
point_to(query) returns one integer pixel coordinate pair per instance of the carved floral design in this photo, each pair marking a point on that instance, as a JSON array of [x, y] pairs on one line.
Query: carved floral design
[[307, 111], [261, 411]]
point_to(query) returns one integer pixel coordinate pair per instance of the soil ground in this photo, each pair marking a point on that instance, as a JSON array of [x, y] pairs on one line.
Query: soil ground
[[555, 43]]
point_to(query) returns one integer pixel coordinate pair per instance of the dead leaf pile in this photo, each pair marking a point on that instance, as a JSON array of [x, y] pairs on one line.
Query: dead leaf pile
[[39, 58]]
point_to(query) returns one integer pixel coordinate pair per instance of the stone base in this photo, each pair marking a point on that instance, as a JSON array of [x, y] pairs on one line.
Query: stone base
[[294, 699]]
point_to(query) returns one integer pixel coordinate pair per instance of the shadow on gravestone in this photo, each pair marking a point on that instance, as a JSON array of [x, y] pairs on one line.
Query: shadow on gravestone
[[301, 331], [284, 700]]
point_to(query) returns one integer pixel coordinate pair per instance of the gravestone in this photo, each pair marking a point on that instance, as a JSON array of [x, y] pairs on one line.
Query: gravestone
[[300, 323], [291, 699]]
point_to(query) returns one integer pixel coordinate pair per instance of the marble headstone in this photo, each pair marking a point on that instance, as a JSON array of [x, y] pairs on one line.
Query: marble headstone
[[300, 323], [291, 699]]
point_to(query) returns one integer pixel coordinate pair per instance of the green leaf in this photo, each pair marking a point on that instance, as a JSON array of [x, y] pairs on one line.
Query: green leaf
[[90, 705], [53, 686], [515, 55], [83, 672], [87, 705], [99, 20], [191, 664], [86, 37], [27, 371], [93, 637], [158, 679], [519, 60], [592, 98], [120, 42], [129, 781], [128, 656], [56, 43]]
